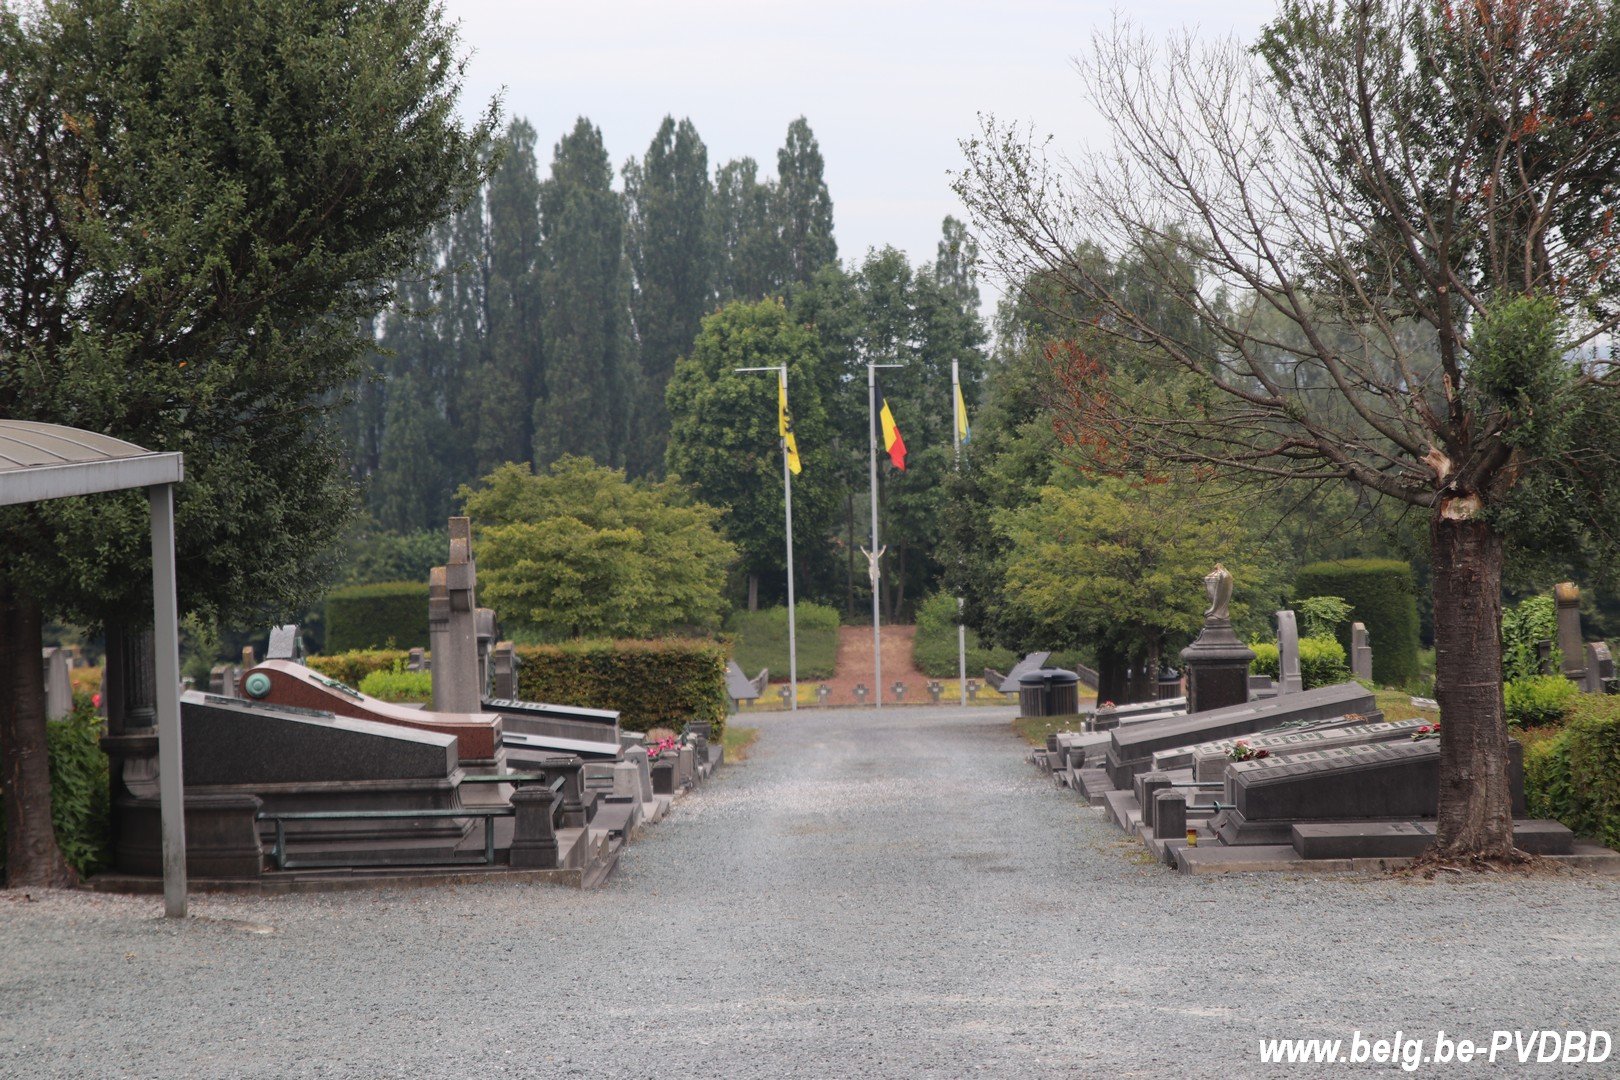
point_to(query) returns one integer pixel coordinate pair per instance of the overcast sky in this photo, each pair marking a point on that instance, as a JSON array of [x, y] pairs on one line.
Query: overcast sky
[[889, 86]]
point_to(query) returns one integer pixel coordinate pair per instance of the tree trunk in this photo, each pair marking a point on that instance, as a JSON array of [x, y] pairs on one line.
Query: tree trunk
[[753, 592], [1476, 810], [32, 856], [1110, 677]]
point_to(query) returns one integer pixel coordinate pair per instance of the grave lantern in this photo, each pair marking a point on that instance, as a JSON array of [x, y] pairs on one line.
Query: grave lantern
[[935, 689], [823, 692], [786, 694], [860, 693], [898, 689], [973, 689]]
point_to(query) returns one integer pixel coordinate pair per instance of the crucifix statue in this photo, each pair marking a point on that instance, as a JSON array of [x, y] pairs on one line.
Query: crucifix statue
[[873, 570]]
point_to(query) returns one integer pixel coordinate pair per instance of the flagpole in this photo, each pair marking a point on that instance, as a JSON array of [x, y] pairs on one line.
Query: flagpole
[[956, 443], [877, 635], [876, 574], [787, 491]]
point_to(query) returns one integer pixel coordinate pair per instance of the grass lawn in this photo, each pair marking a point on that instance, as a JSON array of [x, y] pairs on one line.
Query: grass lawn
[[1397, 705], [761, 641], [737, 740], [1035, 729]]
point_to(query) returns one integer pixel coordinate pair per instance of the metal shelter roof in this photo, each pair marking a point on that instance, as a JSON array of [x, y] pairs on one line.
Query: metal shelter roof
[[49, 461]]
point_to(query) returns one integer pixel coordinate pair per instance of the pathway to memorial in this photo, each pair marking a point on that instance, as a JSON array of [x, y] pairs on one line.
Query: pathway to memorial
[[871, 895], [854, 664]]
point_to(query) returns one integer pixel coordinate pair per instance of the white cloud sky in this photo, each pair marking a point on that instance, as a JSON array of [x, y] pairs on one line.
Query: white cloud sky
[[889, 86]]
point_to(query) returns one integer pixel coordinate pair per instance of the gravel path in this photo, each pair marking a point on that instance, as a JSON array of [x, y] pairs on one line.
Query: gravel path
[[892, 895]]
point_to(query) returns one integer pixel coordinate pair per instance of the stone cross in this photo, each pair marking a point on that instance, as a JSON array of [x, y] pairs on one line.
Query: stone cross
[[1360, 652], [452, 625], [1289, 680]]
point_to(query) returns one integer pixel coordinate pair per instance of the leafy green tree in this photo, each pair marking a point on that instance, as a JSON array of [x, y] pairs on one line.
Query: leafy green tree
[[671, 241], [584, 399], [203, 207], [578, 551], [1118, 566], [724, 442]]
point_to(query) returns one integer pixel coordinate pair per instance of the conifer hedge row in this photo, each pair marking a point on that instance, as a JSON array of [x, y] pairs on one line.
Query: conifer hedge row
[[1384, 597]]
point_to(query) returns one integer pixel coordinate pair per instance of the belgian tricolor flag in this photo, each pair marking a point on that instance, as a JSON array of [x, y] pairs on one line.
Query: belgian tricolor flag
[[892, 442]]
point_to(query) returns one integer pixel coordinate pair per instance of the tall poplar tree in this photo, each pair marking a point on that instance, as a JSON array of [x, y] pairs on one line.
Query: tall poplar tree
[[511, 367], [746, 239], [584, 400], [803, 206], [671, 244]]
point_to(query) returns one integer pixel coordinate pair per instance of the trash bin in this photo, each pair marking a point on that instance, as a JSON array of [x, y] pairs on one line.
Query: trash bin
[[1049, 692]]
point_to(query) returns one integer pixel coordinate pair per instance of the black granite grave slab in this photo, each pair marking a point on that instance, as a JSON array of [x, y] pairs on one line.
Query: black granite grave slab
[[1131, 749], [1409, 839]]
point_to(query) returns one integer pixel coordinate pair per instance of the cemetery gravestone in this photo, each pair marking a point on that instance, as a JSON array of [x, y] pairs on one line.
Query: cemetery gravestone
[[1600, 678], [1290, 681], [452, 625], [58, 684], [1570, 643], [1360, 652], [285, 644]]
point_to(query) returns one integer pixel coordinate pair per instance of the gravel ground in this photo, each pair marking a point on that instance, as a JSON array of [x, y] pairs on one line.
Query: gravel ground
[[884, 896]]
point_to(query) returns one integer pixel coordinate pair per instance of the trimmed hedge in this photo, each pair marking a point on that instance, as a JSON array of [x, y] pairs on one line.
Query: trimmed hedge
[[351, 668], [760, 640], [933, 650], [1321, 661], [1573, 775], [393, 614], [660, 683], [1384, 598]]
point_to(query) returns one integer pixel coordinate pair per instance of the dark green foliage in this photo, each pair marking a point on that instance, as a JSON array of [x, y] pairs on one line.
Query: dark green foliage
[[79, 807], [1532, 620], [724, 441], [1382, 593], [376, 555], [933, 650], [1322, 661], [652, 683], [583, 402], [392, 614], [1537, 700], [804, 208], [351, 668], [671, 243], [760, 640], [1573, 775]]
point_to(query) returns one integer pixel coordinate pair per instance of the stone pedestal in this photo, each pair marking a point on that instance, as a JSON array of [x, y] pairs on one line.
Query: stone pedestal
[[1570, 643], [452, 625], [1289, 679], [534, 832], [1360, 652], [1217, 667]]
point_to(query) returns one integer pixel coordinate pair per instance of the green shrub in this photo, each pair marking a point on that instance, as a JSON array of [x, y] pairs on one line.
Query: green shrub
[[79, 799], [662, 683], [1321, 661], [397, 684], [1531, 620], [933, 650], [351, 668], [1382, 593], [393, 614], [1538, 700], [760, 640], [1573, 774]]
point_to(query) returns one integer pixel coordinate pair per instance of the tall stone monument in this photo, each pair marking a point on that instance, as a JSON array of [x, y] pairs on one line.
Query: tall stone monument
[[1217, 663], [1360, 652], [453, 626], [1570, 643], [1289, 679]]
